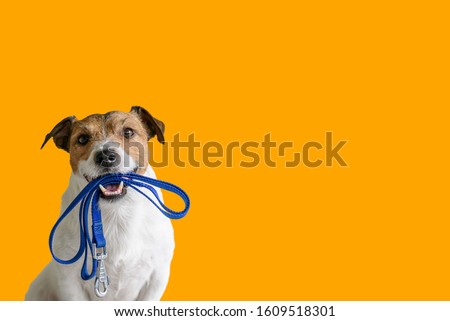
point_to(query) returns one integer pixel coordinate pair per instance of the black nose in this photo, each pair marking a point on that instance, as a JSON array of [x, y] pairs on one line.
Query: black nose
[[107, 158]]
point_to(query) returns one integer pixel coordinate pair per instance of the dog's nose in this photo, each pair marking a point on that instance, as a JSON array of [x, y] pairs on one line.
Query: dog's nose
[[107, 158]]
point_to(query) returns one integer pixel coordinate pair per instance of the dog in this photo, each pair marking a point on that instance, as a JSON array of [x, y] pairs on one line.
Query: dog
[[140, 240]]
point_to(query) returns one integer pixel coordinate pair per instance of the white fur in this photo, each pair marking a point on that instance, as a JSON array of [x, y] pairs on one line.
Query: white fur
[[140, 244]]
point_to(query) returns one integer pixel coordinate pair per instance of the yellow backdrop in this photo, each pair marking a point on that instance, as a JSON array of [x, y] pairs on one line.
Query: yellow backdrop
[[373, 73]]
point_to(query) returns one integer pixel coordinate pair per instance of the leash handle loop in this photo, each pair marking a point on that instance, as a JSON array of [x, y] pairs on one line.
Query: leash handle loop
[[89, 198]]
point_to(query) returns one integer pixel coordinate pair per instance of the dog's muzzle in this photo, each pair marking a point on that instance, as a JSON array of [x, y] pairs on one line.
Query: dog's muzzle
[[109, 160]]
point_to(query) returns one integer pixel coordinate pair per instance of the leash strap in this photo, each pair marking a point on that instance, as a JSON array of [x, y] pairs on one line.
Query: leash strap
[[96, 245]]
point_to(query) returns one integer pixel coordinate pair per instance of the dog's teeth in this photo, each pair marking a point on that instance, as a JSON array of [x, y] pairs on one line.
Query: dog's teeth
[[104, 190], [119, 190]]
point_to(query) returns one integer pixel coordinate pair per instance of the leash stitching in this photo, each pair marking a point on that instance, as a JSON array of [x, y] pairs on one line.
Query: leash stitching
[[89, 196]]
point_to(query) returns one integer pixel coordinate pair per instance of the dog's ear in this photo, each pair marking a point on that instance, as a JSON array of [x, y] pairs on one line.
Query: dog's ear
[[61, 133], [153, 125]]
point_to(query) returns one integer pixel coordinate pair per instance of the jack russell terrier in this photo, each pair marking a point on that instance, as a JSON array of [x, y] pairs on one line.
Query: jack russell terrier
[[140, 239]]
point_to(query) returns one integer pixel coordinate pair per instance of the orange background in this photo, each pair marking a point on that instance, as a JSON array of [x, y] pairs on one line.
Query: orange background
[[375, 73]]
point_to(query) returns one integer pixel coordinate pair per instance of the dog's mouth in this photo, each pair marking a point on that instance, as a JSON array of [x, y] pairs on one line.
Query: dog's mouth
[[111, 191]]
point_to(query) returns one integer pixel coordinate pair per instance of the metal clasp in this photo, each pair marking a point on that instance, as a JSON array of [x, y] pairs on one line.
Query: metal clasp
[[102, 279]]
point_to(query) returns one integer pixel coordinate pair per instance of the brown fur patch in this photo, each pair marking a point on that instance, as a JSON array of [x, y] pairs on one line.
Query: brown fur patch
[[110, 126]]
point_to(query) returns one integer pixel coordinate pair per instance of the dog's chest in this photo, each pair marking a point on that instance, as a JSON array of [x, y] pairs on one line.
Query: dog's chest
[[140, 246], [138, 250], [135, 260], [126, 280]]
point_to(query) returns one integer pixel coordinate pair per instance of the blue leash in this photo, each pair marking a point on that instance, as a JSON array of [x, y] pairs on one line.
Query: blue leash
[[89, 197]]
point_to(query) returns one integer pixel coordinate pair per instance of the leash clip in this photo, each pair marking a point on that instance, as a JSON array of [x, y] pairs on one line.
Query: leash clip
[[101, 279]]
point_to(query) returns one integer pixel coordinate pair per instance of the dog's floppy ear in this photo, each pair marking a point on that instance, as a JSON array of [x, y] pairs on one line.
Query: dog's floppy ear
[[154, 126], [61, 133]]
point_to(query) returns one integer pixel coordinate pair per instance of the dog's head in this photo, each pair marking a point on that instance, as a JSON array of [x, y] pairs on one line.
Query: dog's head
[[115, 142]]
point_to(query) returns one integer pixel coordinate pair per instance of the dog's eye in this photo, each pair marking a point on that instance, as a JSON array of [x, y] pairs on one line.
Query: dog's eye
[[128, 132], [83, 139]]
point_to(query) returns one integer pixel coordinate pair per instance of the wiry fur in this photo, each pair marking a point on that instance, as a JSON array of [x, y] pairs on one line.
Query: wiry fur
[[140, 244]]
